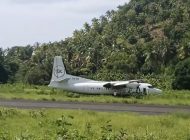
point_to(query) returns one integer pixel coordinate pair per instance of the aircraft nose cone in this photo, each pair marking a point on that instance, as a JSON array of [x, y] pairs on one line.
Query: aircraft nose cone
[[157, 90]]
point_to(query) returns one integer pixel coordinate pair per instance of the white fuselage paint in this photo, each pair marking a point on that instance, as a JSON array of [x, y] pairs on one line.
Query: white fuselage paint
[[82, 85], [87, 86], [60, 79]]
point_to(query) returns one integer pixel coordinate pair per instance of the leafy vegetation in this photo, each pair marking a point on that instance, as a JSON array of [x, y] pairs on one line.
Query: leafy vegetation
[[144, 39], [19, 91], [182, 73], [141, 38], [62, 124]]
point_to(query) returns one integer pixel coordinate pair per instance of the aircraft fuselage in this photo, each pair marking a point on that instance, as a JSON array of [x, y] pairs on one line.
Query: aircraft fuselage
[[60, 79]]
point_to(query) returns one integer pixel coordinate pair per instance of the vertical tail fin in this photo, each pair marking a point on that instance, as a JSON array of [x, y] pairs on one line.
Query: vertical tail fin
[[58, 72]]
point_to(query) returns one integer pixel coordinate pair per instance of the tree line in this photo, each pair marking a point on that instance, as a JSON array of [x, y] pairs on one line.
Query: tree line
[[144, 39]]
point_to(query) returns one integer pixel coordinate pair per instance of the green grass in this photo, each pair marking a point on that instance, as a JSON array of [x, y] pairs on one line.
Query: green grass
[[19, 91], [66, 124]]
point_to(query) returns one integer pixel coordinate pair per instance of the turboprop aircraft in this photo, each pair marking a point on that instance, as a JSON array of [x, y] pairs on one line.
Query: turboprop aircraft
[[60, 79]]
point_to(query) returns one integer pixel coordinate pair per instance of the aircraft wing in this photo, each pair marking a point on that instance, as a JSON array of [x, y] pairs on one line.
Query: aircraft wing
[[123, 84]]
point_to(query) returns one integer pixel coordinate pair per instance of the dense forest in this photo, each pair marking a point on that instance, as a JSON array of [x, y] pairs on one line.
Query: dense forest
[[144, 39]]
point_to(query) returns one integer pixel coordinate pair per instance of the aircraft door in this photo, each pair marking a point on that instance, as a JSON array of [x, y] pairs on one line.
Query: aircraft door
[[144, 91]]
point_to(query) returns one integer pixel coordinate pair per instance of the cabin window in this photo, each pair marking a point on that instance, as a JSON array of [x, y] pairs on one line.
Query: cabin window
[[75, 78]]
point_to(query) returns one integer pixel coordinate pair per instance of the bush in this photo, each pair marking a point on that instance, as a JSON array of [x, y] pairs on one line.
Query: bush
[[37, 76]]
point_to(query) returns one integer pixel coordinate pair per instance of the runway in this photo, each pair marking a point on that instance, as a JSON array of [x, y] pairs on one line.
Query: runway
[[102, 107]]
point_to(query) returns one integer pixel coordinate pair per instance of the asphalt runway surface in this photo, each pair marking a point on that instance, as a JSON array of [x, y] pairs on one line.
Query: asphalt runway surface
[[101, 107]]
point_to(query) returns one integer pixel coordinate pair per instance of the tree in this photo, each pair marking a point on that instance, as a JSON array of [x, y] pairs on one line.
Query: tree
[[3, 71], [182, 75], [37, 76], [132, 39], [3, 75]]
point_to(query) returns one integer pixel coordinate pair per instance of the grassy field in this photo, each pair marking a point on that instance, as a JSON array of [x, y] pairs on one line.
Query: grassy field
[[19, 91], [61, 124]]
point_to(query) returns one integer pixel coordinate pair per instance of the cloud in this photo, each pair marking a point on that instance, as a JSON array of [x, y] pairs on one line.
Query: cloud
[[28, 21]]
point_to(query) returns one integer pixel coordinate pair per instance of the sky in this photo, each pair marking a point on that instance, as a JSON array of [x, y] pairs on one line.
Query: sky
[[24, 22]]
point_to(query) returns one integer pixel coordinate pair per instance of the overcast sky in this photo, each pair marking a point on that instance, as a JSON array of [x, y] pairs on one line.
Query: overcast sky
[[25, 22]]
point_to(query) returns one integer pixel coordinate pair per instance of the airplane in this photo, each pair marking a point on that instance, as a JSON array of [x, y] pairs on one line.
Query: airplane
[[60, 79]]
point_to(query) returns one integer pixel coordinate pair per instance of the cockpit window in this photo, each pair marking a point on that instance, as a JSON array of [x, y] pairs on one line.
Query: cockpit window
[[150, 87]]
